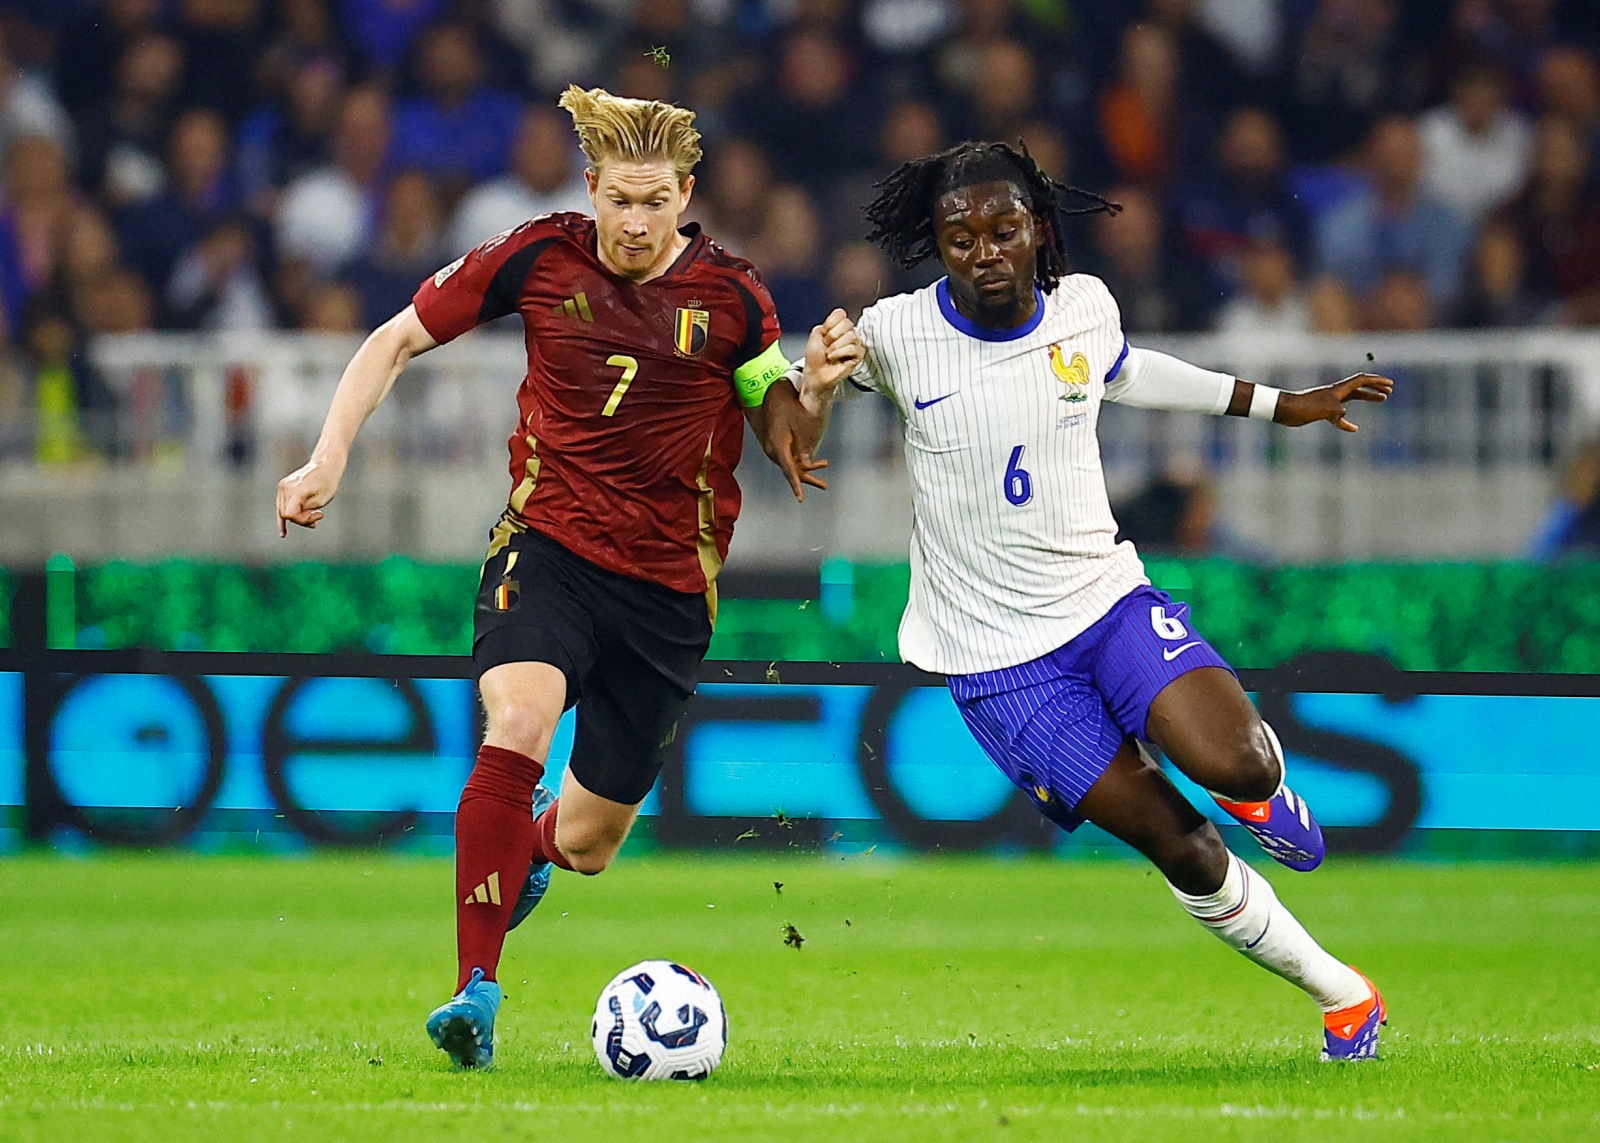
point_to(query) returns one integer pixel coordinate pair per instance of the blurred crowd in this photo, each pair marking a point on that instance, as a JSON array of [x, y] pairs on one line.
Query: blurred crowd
[[1286, 165]]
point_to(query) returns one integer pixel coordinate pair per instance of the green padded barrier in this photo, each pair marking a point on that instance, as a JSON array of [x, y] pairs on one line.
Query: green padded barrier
[[1446, 617]]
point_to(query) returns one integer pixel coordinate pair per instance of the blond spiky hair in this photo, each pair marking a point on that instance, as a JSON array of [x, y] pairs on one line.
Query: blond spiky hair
[[632, 130]]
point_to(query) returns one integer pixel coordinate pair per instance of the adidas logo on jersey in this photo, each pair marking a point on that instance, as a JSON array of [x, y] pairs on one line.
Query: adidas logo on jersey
[[577, 307], [487, 892]]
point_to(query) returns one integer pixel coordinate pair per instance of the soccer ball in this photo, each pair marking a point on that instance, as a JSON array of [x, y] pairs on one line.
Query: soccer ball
[[659, 1020]]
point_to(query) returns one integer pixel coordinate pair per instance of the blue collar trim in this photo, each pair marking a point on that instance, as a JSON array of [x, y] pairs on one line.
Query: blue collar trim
[[973, 329]]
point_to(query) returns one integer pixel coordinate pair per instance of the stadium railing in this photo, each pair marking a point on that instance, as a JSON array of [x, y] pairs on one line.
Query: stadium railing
[[1460, 463]]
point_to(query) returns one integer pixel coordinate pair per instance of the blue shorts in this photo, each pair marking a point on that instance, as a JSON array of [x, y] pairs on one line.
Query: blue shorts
[[1053, 724]]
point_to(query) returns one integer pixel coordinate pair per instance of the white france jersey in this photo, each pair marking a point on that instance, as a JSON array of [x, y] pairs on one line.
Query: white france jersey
[[1013, 546]]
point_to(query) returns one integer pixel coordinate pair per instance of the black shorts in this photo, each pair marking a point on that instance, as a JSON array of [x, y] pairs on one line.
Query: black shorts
[[631, 651]]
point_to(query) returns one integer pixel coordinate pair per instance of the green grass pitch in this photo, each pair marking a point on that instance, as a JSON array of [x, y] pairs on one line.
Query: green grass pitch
[[239, 999]]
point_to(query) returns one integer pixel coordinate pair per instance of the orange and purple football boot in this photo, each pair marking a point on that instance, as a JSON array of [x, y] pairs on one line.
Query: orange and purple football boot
[[1284, 827], [1352, 1033]]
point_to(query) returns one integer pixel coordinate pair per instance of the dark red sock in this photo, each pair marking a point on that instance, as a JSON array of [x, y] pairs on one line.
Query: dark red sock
[[495, 837], [544, 838]]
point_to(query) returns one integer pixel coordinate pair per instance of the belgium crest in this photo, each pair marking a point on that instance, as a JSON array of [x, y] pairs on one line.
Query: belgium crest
[[1074, 375], [691, 331]]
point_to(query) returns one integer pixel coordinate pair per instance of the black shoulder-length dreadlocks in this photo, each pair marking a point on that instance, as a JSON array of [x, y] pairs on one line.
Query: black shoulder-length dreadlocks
[[902, 214]]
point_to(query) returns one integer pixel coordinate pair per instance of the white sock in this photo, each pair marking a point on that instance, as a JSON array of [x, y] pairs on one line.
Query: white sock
[[1248, 917]]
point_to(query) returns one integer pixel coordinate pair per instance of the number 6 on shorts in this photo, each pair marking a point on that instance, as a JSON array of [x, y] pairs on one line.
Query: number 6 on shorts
[[1167, 626]]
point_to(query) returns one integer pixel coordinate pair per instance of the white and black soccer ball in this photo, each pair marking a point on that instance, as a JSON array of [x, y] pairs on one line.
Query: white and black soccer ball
[[659, 1021]]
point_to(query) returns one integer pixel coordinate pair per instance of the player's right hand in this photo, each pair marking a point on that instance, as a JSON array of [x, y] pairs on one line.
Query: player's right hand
[[304, 493]]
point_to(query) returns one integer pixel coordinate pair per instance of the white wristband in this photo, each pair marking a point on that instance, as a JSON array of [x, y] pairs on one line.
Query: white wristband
[[1264, 402]]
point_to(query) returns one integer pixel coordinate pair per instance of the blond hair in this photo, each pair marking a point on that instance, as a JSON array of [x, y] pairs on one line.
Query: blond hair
[[632, 130]]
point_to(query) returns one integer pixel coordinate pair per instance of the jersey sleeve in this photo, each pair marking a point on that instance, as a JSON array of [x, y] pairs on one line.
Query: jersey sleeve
[[864, 380], [759, 360], [481, 285]]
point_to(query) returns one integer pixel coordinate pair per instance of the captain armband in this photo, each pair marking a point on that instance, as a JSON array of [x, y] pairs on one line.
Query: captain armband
[[752, 379]]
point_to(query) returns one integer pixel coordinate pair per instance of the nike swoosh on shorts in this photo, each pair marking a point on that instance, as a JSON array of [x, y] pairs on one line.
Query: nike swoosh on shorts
[[1171, 653]]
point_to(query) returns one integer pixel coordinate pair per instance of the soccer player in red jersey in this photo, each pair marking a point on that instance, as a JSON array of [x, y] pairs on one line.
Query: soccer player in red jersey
[[649, 347]]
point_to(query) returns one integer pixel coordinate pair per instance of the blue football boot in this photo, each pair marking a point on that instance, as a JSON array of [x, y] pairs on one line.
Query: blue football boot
[[1282, 824], [533, 889], [464, 1026]]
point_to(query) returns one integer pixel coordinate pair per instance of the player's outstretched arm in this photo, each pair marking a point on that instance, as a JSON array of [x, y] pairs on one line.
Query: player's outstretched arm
[[794, 415], [1325, 403], [304, 493]]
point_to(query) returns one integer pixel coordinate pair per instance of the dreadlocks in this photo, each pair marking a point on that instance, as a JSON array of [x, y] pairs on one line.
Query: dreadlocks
[[902, 214]]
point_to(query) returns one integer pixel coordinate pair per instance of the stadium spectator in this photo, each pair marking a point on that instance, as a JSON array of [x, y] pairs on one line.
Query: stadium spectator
[[733, 203], [1212, 67], [1569, 86], [1557, 219], [1333, 307], [58, 398], [1157, 292], [815, 126], [326, 216], [1138, 111], [199, 193], [860, 275], [1217, 219], [335, 308], [1270, 300], [28, 106], [1348, 70], [216, 284], [1005, 93], [93, 46], [221, 40], [283, 140], [1174, 514], [407, 250], [1048, 146], [1571, 527], [123, 136], [1496, 290], [459, 131], [88, 253], [382, 29], [545, 177], [38, 200], [304, 31], [1475, 148], [1393, 224], [1400, 302], [792, 262]]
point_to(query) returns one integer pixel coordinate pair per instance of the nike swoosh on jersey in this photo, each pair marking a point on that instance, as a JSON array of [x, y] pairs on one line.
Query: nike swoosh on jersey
[[1171, 653], [921, 404]]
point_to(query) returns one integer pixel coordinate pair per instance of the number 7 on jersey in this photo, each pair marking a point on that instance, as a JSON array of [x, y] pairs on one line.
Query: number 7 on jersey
[[630, 369]]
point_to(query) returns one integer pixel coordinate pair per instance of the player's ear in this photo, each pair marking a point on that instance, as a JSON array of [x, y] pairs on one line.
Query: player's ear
[[591, 179], [685, 192]]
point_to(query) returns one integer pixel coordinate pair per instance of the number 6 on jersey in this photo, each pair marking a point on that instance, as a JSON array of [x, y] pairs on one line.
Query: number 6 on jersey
[[1019, 484]]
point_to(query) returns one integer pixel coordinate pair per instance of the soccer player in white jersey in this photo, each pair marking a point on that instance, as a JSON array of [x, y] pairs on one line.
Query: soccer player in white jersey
[[1059, 653]]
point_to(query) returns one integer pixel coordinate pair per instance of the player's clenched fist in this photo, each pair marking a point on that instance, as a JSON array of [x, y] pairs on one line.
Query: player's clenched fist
[[833, 350], [304, 493]]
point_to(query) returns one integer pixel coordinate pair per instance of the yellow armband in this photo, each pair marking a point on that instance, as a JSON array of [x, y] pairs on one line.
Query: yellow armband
[[752, 379]]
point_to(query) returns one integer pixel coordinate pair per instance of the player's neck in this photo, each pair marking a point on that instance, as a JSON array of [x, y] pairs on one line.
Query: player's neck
[[1009, 317], [675, 248]]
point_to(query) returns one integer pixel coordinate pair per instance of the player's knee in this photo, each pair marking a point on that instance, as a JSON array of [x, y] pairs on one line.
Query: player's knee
[[588, 855], [520, 725], [1254, 772]]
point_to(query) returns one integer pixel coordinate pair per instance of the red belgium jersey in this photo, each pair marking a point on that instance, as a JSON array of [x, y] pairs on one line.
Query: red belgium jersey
[[630, 426]]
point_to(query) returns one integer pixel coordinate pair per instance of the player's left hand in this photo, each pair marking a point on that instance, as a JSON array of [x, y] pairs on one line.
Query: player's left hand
[[1327, 403]]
